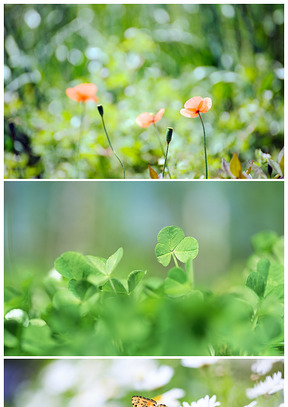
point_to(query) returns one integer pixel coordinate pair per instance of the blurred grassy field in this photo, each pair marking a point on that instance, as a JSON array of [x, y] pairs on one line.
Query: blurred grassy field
[[142, 58]]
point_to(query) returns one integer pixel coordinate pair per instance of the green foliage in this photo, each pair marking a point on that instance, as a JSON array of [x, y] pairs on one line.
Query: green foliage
[[173, 243], [142, 58], [91, 312]]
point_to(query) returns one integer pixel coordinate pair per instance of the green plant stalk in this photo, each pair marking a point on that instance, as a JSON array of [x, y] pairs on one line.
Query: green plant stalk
[[205, 152], [113, 287], [162, 148], [254, 319], [175, 260], [190, 273], [110, 144], [77, 155], [165, 162]]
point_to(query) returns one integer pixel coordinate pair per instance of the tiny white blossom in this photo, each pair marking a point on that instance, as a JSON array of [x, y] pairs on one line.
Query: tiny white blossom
[[198, 361], [270, 386], [171, 397], [204, 402], [141, 374], [263, 366]]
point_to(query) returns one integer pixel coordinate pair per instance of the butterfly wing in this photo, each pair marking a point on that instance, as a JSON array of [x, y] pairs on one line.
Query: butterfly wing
[[139, 401]]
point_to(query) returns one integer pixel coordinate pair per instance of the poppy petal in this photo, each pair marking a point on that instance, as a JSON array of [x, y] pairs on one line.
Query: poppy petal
[[83, 92], [189, 113], [158, 115], [206, 105], [145, 119], [72, 94], [193, 103]]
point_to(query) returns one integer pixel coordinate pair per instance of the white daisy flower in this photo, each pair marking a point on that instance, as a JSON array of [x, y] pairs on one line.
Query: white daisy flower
[[204, 402], [141, 374], [199, 361], [263, 366], [270, 386], [171, 397]]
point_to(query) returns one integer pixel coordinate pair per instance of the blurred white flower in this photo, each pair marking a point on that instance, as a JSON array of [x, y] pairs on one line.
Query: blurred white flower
[[269, 386], [59, 377], [196, 362], [141, 374], [171, 397], [254, 403], [204, 402], [263, 366]]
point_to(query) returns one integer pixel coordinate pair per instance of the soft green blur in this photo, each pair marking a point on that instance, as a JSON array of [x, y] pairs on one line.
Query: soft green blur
[[45, 219], [142, 58]]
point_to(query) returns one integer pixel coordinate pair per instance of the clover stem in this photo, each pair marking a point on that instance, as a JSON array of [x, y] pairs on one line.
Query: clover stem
[[190, 272], [254, 319], [113, 286], [175, 260], [110, 144], [205, 152], [162, 148]]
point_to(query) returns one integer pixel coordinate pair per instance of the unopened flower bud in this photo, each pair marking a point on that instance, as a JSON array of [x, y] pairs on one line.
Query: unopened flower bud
[[169, 134], [100, 110]]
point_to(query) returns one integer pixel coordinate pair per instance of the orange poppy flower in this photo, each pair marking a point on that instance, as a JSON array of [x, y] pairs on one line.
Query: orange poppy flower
[[83, 92], [196, 105], [146, 119]]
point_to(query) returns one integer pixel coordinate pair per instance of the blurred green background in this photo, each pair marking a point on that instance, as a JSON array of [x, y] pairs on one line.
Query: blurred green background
[[142, 58], [45, 219], [102, 382]]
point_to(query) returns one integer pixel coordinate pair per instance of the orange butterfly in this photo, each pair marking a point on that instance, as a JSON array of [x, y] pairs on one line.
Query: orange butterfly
[[139, 401]]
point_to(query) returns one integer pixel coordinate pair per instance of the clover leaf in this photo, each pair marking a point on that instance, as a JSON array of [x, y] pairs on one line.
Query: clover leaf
[[173, 243]]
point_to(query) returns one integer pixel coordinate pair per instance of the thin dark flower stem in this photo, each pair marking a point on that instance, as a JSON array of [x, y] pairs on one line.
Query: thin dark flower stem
[[80, 137], [162, 148], [165, 162], [110, 144], [205, 152]]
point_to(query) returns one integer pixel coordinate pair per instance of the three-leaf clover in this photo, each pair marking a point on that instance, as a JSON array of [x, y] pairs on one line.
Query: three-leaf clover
[[173, 243]]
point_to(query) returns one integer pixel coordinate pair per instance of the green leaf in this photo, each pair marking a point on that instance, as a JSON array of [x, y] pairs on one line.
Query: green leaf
[[37, 340], [80, 289], [264, 241], [187, 249], [256, 282], [172, 240], [72, 265], [263, 268], [118, 287], [176, 284], [10, 340], [113, 260], [99, 263], [97, 278], [134, 279], [104, 266]]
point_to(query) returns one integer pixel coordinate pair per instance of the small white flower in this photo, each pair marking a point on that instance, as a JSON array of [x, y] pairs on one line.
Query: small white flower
[[204, 402], [254, 403], [199, 361], [263, 366], [270, 386], [141, 374], [170, 398]]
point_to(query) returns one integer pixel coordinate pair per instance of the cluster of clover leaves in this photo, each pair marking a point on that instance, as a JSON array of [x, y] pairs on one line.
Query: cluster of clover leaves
[[90, 274]]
